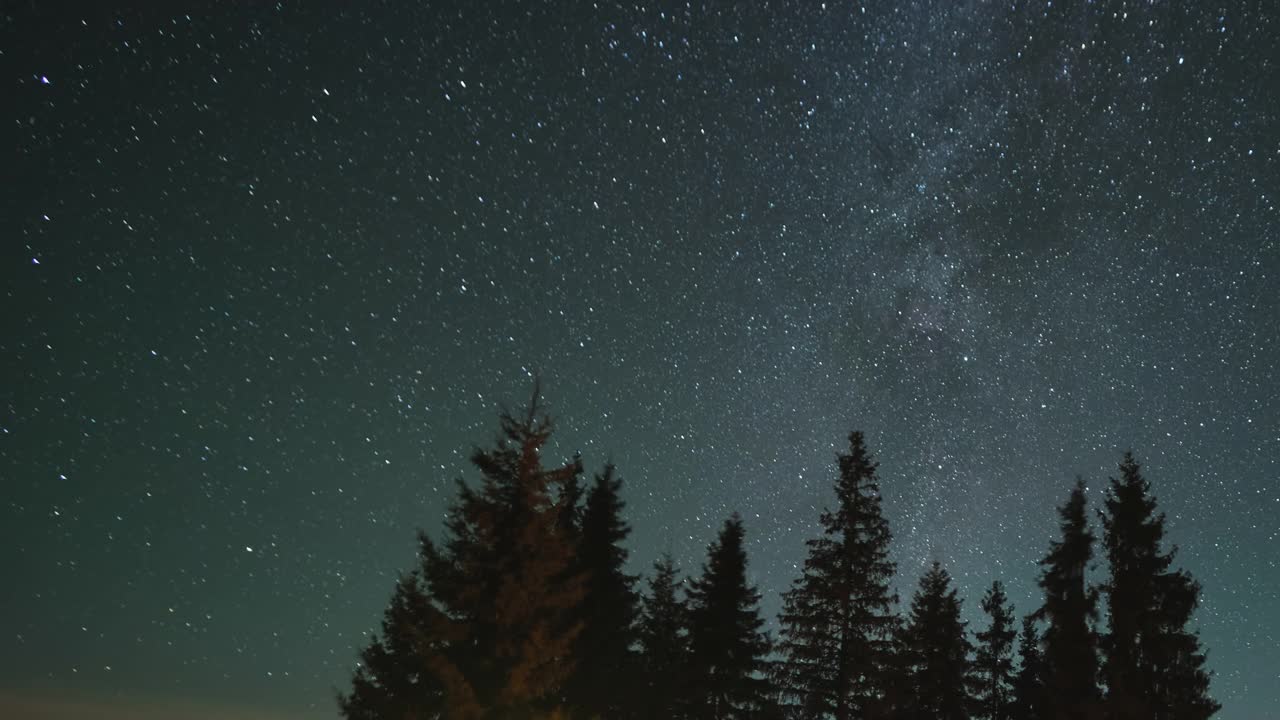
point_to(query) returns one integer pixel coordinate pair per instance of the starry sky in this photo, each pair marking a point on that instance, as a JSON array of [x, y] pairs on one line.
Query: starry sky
[[270, 270]]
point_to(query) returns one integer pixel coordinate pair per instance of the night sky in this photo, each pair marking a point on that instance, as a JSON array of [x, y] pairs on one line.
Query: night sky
[[270, 271]]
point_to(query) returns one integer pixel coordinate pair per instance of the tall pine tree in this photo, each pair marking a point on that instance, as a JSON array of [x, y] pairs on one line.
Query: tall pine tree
[[1153, 665], [1029, 701], [603, 683], [936, 652], [993, 666], [493, 627], [837, 620], [664, 644], [1070, 609], [727, 647]]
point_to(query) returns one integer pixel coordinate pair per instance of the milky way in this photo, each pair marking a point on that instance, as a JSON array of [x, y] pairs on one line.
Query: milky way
[[272, 270]]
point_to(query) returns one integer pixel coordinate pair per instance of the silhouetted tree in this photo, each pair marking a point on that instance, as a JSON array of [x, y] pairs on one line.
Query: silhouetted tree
[[1029, 701], [1153, 665], [524, 611], [936, 652], [837, 620], [727, 647], [1070, 608], [569, 521], [664, 645], [603, 683], [391, 680], [993, 665], [492, 629], [896, 678]]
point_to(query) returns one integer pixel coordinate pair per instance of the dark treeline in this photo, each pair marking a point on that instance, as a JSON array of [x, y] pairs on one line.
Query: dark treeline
[[524, 609]]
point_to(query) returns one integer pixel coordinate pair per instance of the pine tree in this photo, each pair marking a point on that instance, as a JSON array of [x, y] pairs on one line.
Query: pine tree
[[937, 652], [664, 644], [1070, 608], [727, 647], [1029, 702], [603, 684], [569, 520], [993, 666], [492, 631], [390, 681], [1153, 665], [837, 621], [898, 692]]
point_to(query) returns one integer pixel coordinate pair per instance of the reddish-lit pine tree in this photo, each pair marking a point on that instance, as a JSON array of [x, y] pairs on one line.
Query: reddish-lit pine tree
[[489, 625]]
